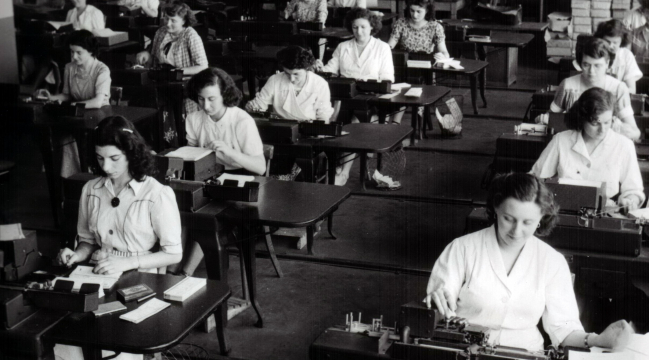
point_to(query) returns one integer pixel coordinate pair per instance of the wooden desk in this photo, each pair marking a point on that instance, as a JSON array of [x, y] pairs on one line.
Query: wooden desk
[[430, 95], [504, 63], [155, 334], [280, 203], [522, 27], [362, 139]]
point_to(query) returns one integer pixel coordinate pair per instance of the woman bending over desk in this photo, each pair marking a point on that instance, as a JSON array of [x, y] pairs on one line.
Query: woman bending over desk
[[84, 16], [418, 31], [624, 67], [590, 151], [595, 57], [506, 279], [348, 3]]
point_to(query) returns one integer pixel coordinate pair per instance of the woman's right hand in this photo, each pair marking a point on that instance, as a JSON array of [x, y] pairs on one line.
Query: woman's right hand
[[543, 119], [444, 302], [615, 336], [42, 94], [67, 257], [250, 107], [143, 57], [319, 65]]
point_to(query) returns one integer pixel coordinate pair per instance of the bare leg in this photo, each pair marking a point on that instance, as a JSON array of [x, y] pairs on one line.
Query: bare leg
[[195, 256]]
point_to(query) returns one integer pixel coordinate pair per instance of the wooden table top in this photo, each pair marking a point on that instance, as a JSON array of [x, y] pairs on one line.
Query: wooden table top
[[524, 26], [430, 95], [92, 117], [363, 137]]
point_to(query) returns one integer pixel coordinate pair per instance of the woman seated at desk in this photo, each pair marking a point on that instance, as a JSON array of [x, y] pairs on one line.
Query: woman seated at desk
[[178, 45], [84, 16], [595, 58], [590, 151], [85, 80], [637, 17], [307, 10], [296, 93], [125, 214], [506, 279], [624, 67], [348, 3], [147, 7], [223, 127]]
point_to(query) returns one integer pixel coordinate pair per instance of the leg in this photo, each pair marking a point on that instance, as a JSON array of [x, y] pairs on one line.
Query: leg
[[331, 167], [49, 162], [309, 239], [271, 251], [215, 259], [483, 82], [250, 261], [194, 258], [474, 93], [221, 313], [330, 225], [413, 123]]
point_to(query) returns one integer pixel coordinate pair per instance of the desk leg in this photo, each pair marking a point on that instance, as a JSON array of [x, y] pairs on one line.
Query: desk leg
[[332, 158], [220, 327], [250, 261], [216, 265], [413, 123], [47, 151], [474, 93], [91, 353], [330, 224], [483, 85], [363, 169], [309, 239]]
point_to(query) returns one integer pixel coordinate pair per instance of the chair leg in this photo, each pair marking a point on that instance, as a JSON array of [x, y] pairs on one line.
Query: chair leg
[[271, 251]]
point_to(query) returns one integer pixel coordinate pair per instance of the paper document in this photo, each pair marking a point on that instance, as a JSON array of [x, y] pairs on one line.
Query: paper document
[[11, 232], [640, 213], [240, 178], [58, 24], [399, 86], [578, 355], [639, 344], [414, 92], [189, 153], [145, 311], [590, 183], [85, 274], [419, 64]]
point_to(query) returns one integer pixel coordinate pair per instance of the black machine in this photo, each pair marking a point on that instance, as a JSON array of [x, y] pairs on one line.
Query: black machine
[[506, 15], [64, 109], [280, 131], [20, 257], [348, 88], [199, 170]]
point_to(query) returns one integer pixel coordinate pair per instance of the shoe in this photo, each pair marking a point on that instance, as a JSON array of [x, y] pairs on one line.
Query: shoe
[[341, 179]]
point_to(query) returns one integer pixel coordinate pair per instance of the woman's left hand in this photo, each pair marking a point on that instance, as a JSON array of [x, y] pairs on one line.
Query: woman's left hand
[[440, 56], [113, 264], [615, 336], [628, 203]]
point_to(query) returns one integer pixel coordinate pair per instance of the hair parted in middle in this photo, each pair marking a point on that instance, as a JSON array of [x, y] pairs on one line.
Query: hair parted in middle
[[361, 13], [592, 103], [295, 57], [214, 76], [426, 4]]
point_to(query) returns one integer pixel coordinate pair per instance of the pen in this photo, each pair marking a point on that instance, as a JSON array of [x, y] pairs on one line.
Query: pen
[[146, 297]]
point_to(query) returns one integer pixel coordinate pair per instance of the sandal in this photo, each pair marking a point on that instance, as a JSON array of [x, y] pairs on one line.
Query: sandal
[[396, 185]]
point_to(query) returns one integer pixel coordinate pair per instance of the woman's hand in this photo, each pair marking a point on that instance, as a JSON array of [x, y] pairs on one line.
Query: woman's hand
[[615, 336], [42, 94], [143, 58], [543, 119], [440, 56], [252, 108], [67, 257], [319, 65], [114, 264], [222, 147], [444, 302], [628, 203]]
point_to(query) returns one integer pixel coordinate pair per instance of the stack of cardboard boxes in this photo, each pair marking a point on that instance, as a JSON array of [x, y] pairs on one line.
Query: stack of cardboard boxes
[[619, 8]]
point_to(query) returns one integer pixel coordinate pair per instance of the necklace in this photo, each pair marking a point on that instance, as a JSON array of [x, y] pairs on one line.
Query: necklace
[[115, 201]]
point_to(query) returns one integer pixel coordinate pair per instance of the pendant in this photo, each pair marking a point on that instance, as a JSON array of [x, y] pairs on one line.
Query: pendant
[[115, 202]]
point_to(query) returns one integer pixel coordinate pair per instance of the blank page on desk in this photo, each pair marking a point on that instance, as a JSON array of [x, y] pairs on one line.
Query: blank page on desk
[[578, 355], [189, 153], [240, 178], [639, 345]]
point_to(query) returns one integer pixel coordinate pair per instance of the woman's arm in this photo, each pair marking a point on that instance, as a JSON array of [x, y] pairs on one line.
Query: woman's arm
[[264, 97], [98, 20], [442, 50], [386, 71], [333, 65], [94, 103], [615, 336], [631, 85], [631, 185], [446, 279], [396, 33], [197, 54], [60, 97], [150, 7], [322, 11], [290, 8], [255, 164], [323, 108]]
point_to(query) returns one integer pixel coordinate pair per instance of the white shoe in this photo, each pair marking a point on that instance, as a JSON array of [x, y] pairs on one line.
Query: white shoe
[[341, 179]]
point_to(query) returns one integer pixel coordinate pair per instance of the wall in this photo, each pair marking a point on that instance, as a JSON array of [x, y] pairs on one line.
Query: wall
[[8, 52]]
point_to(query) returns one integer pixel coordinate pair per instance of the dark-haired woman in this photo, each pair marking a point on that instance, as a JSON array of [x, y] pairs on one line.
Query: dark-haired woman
[[506, 279], [296, 93], [418, 31], [591, 151], [85, 80], [84, 16], [594, 57], [624, 67]]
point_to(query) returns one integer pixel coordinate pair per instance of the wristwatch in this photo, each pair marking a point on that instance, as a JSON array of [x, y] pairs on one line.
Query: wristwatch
[[586, 340]]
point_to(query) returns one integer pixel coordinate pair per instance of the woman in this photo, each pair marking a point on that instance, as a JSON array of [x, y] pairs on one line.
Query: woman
[[506, 279], [125, 214], [363, 57], [85, 80], [624, 67], [637, 17], [590, 151], [224, 128], [418, 31], [178, 45], [348, 3], [84, 16], [148, 7], [595, 58], [307, 10]]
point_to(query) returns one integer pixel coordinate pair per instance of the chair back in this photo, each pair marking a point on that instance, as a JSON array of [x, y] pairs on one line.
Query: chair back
[[115, 95]]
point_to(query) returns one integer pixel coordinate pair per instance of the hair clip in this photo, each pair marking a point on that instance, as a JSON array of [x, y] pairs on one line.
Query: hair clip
[[129, 130]]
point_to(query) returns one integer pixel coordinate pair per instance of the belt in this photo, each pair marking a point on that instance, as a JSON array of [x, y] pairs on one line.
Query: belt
[[129, 254]]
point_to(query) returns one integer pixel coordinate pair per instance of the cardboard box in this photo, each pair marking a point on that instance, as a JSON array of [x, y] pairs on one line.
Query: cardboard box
[[600, 13], [619, 14], [620, 6], [583, 29], [601, 5], [559, 21], [559, 51], [580, 4], [115, 38], [578, 20], [559, 43], [581, 12]]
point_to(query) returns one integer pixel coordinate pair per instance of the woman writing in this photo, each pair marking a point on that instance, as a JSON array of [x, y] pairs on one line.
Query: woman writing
[[595, 58], [624, 67], [591, 151], [84, 16], [506, 279]]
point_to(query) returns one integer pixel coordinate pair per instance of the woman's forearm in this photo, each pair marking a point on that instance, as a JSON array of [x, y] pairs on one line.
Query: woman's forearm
[[155, 260], [84, 250], [150, 11], [192, 70], [60, 97], [93, 103], [254, 164]]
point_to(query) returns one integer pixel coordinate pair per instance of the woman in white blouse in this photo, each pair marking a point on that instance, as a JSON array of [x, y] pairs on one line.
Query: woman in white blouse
[[591, 151], [506, 279], [84, 16]]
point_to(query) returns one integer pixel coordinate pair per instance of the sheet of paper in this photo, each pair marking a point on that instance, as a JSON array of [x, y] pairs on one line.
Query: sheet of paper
[[11, 232], [189, 153], [145, 311], [399, 86], [577, 182], [639, 344], [578, 355], [240, 178], [58, 24], [84, 274]]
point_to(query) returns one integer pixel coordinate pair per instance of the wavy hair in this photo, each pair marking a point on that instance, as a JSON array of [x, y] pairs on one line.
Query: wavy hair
[[183, 11], [84, 39], [592, 103], [613, 28], [426, 4], [524, 187], [121, 133], [295, 57], [214, 76], [360, 13], [594, 47]]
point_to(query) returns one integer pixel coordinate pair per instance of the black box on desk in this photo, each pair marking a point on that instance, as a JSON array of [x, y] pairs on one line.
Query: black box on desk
[[373, 86], [14, 309], [189, 195], [231, 191], [117, 37], [542, 99], [310, 26], [199, 170], [572, 198], [19, 257], [130, 77], [342, 88], [521, 146], [275, 132], [335, 344]]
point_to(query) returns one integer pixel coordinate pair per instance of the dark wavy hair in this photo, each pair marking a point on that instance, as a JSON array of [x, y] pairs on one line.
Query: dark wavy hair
[[295, 57], [592, 103], [426, 4], [360, 13], [593, 47], [215, 76], [84, 39], [182, 10], [613, 28], [524, 187], [121, 133]]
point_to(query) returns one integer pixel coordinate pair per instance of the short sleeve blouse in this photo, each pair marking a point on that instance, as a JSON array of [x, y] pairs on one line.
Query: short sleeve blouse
[[86, 85], [417, 40]]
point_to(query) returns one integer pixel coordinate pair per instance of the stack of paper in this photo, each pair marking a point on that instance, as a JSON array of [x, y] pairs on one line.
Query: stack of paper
[[145, 311], [422, 64], [414, 92], [189, 153], [242, 179], [184, 289], [11, 232], [449, 63], [84, 274], [398, 86]]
